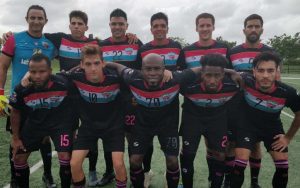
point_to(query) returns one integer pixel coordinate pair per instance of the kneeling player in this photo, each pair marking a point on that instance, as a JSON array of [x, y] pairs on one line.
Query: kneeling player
[[98, 106], [204, 113], [264, 98], [47, 108]]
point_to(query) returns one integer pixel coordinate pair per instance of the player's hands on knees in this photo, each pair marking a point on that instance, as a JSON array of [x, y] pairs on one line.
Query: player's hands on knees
[[281, 142], [17, 145], [5, 36], [132, 38], [25, 82], [167, 76]]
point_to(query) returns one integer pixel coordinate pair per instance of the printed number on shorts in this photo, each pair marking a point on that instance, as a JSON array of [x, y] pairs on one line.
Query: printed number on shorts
[[129, 119], [172, 142], [64, 140], [224, 141]]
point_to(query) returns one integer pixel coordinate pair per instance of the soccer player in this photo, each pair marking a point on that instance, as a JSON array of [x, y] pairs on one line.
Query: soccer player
[[169, 49], [17, 51], [98, 105], [204, 113], [241, 58], [205, 25], [157, 114], [118, 49], [39, 110], [69, 56], [264, 99]]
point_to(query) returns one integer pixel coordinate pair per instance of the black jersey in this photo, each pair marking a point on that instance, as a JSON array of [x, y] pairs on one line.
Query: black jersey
[[241, 56], [155, 105], [121, 52], [201, 103], [98, 104], [45, 108], [195, 51], [267, 106], [171, 53], [69, 49]]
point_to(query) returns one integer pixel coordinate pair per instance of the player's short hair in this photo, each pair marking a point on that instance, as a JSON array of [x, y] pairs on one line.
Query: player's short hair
[[90, 49], [38, 57], [205, 15], [158, 16], [118, 13], [253, 17], [79, 14], [266, 56], [36, 7], [217, 60]]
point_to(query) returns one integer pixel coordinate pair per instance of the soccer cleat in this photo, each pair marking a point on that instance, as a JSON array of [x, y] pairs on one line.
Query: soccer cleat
[[106, 179], [255, 185], [93, 180], [48, 181], [148, 176]]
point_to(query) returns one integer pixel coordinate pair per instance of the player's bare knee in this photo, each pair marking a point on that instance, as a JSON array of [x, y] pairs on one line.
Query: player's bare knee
[[136, 161], [172, 162]]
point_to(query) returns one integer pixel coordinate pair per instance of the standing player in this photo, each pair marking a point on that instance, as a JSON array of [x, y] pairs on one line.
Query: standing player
[[17, 51], [157, 114], [39, 110], [263, 102], [170, 50], [205, 25], [69, 56], [241, 58], [204, 113], [98, 106], [118, 49]]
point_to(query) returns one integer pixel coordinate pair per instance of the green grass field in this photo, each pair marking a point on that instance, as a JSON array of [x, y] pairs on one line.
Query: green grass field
[[158, 164]]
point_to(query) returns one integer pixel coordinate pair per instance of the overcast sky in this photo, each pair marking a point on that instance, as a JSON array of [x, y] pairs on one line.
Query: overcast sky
[[280, 16]]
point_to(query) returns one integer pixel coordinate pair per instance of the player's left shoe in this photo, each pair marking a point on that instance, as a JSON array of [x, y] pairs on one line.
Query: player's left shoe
[[48, 180], [106, 179]]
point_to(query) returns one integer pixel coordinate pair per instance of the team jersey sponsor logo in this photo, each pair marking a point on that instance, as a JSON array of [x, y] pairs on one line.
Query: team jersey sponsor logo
[[155, 98], [46, 100], [98, 94], [210, 100], [264, 102], [192, 58], [243, 61], [170, 55], [120, 52]]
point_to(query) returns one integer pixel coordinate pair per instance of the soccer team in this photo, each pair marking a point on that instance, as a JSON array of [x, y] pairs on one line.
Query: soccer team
[[118, 88]]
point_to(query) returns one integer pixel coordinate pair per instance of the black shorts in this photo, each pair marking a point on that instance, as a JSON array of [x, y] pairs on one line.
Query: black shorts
[[113, 139], [142, 137], [33, 136], [213, 128], [234, 116], [129, 111], [253, 132]]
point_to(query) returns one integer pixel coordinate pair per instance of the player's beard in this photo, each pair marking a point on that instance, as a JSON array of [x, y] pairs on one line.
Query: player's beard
[[253, 38]]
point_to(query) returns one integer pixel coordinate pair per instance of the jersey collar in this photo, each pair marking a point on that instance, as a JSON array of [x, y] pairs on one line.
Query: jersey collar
[[260, 45], [165, 42]]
